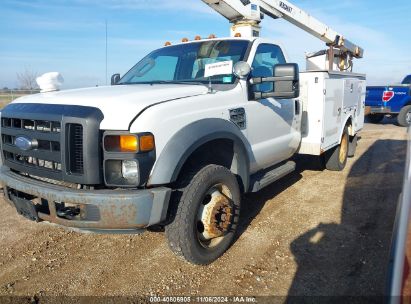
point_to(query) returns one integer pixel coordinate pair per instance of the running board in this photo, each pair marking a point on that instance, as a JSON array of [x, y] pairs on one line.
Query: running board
[[261, 181]]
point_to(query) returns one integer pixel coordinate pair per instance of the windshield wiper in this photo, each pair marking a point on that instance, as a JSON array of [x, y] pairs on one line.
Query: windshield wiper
[[165, 82], [177, 82]]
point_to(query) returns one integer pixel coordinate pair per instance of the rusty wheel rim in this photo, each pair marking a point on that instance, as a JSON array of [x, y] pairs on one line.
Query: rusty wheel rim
[[215, 215], [343, 149]]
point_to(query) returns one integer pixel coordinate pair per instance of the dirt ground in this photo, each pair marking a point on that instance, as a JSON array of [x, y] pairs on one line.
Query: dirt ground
[[312, 233]]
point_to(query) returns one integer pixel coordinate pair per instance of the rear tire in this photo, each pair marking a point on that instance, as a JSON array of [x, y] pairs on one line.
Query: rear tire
[[375, 118], [206, 215], [404, 118], [335, 159]]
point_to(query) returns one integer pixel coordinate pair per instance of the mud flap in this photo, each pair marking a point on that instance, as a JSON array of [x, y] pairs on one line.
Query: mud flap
[[352, 146]]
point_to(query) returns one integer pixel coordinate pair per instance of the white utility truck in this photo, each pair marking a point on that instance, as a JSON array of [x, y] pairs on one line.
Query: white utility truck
[[179, 138]]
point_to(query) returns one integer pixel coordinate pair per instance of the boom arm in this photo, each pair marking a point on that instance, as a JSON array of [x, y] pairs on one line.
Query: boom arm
[[250, 13]]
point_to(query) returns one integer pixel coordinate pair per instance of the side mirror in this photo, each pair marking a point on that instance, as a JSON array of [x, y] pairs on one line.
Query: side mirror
[[115, 79], [286, 82], [288, 88]]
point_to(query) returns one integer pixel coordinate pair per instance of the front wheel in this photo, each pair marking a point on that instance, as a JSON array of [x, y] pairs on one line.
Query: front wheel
[[206, 216], [404, 118]]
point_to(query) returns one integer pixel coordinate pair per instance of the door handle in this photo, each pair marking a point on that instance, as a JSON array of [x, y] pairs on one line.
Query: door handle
[[297, 107]]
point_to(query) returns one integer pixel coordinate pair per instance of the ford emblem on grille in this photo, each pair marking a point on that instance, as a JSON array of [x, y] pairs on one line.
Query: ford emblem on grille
[[25, 144]]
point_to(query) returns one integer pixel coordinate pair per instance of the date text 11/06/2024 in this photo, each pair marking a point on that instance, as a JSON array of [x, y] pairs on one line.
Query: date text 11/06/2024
[[199, 299]]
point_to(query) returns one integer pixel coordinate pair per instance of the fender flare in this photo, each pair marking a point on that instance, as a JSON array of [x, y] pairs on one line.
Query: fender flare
[[183, 143], [342, 129], [398, 106], [408, 103]]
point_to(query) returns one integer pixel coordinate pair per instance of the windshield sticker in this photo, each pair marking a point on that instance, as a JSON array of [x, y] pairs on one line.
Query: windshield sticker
[[227, 79], [218, 68]]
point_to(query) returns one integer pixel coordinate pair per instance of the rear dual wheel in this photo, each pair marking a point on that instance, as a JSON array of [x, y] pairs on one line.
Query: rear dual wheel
[[335, 159]]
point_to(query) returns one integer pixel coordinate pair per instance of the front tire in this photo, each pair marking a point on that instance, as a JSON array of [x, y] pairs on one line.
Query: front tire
[[335, 159], [404, 118], [206, 216]]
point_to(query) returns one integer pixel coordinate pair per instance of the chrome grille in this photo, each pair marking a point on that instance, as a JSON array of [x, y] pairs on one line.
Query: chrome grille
[[56, 142], [47, 154]]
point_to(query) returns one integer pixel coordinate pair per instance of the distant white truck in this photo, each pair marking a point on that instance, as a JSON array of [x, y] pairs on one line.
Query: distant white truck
[[177, 140]]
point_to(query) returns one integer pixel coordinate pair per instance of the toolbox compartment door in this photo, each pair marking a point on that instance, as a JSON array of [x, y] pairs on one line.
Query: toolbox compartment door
[[333, 108]]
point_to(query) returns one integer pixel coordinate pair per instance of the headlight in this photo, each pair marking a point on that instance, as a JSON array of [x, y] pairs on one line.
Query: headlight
[[129, 169], [127, 158], [122, 172]]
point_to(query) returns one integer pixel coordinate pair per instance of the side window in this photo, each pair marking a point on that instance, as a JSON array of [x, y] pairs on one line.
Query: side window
[[266, 57]]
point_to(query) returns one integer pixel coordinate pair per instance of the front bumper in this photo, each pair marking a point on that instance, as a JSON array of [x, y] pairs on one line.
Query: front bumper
[[112, 211]]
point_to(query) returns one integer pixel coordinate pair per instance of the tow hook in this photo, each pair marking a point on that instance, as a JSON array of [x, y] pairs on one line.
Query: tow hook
[[68, 212]]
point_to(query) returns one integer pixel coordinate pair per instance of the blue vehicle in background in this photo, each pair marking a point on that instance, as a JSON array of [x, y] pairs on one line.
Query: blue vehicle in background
[[390, 100]]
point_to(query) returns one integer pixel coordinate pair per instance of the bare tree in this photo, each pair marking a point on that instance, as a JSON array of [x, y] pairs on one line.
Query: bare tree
[[27, 79]]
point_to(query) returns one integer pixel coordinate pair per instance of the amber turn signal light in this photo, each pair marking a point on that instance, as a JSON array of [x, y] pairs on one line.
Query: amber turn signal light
[[147, 143], [121, 143], [128, 143]]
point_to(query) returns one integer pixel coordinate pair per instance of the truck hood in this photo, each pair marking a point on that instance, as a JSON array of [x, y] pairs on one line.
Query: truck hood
[[119, 104]]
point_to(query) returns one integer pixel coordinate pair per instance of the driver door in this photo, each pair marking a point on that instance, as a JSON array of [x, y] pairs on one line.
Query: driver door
[[272, 123]]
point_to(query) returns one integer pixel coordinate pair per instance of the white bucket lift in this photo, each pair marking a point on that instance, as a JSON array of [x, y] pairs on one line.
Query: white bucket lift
[[246, 16]]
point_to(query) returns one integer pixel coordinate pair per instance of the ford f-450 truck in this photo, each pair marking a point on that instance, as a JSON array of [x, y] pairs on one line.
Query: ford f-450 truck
[[392, 100], [177, 140]]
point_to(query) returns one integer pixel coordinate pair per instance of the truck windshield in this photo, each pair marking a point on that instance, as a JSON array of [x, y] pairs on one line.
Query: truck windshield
[[407, 80], [186, 63]]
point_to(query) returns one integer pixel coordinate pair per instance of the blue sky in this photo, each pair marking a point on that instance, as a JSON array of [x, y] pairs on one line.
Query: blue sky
[[68, 36]]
